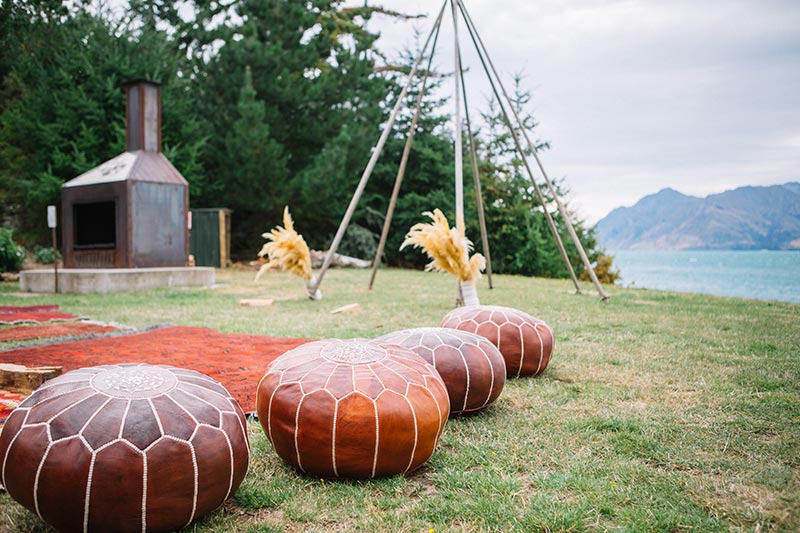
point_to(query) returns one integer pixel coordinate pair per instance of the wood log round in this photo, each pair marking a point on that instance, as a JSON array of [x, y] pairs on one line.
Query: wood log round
[[525, 341], [472, 368], [352, 408], [124, 448]]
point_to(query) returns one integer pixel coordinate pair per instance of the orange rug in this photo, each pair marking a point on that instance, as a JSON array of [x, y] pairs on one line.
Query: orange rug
[[13, 314], [237, 361], [52, 331]]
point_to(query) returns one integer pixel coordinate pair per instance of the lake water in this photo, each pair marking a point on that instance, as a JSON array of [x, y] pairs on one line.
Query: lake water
[[764, 275]]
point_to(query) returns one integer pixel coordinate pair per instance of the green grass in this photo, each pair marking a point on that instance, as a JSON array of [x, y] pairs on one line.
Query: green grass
[[659, 411]]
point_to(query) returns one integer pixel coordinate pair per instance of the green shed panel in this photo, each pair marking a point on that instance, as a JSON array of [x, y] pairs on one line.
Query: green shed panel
[[210, 237]]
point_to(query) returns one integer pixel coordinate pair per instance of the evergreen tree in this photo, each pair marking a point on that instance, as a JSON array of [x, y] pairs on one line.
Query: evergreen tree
[[256, 169], [266, 103], [428, 183], [312, 67], [62, 106]]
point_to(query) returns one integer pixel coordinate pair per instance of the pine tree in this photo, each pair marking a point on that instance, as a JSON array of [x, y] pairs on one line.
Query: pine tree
[[62, 106], [256, 169], [312, 68], [428, 181]]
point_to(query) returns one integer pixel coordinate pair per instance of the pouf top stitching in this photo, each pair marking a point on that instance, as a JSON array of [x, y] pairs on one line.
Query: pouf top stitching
[[354, 353], [134, 382]]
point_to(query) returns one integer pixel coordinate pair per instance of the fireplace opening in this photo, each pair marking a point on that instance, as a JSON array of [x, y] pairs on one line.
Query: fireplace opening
[[95, 226]]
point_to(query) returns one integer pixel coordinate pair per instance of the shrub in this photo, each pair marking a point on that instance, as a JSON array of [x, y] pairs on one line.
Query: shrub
[[603, 269], [11, 255], [45, 255]]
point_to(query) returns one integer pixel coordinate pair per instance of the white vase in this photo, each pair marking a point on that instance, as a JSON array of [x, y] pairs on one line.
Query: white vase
[[469, 293]]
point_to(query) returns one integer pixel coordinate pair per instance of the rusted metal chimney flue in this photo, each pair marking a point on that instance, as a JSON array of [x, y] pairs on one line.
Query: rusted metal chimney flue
[[143, 116]]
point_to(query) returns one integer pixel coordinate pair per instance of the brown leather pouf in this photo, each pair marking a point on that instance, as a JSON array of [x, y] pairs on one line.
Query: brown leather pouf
[[472, 368], [352, 408], [124, 448], [525, 342]]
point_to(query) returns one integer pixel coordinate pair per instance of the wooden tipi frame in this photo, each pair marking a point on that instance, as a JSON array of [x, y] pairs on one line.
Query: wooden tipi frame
[[503, 99]]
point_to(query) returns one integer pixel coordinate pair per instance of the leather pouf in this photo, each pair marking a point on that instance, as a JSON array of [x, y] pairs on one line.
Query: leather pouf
[[352, 408], [525, 342], [473, 369], [124, 448]]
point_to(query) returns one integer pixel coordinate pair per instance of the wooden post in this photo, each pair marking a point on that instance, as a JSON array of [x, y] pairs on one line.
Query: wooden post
[[459, 166], [586, 263], [457, 130], [313, 287], [223, 239], [476, 179], [55, 260]]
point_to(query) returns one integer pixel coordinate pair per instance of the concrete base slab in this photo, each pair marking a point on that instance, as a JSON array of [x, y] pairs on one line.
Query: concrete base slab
[[105, 280]]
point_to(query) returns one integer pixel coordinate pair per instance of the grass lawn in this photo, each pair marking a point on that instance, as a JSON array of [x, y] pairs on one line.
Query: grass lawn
[[658, 412]]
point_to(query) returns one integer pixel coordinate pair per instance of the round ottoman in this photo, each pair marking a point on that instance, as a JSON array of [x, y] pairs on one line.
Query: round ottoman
[[124, 448], [525, 342], [472, 368], [352, 408]]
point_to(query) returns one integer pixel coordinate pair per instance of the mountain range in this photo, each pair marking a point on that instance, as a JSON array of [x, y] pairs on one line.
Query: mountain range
[[747, 218]]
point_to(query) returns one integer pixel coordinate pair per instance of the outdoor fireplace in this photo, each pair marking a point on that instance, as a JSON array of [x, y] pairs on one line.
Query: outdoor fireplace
[[131, 211]]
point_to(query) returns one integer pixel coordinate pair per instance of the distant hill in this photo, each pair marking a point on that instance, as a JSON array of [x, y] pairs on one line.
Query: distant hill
[[747, 218]]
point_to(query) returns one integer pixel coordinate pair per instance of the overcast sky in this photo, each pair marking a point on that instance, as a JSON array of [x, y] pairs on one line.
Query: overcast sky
[[634, 95]]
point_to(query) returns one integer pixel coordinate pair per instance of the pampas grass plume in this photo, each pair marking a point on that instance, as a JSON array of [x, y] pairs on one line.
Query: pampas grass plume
[[447, 247], [287, 250]]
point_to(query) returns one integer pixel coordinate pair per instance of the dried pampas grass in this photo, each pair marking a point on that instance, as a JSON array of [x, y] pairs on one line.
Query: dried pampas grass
[[447, 247], [287, 250]]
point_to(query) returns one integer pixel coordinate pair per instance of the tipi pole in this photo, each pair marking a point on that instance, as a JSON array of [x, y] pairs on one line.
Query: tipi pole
[[459, 174], [586, 263], [476, 181], [403, 162], [376, 152], [457, 145], [514, 136]]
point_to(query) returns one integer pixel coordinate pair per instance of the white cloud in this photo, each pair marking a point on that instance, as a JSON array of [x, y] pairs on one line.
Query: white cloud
[[635, 95]]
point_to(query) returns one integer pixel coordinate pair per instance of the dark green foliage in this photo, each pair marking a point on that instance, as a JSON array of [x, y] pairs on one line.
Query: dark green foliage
[[45, 255], [256, 168], [11, 255], [311, 67], [62, 108], [429, 177], [266, 103]]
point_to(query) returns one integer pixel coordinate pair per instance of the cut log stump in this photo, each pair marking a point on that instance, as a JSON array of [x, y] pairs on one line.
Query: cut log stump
[[26, 379]]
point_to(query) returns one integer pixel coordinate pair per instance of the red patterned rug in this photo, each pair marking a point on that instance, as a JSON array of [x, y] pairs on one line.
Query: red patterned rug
[[52, 331], [13, 314], [237, 361], [8, 402]]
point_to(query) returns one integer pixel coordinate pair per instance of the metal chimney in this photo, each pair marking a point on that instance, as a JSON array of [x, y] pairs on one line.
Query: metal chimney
[[143, 116]]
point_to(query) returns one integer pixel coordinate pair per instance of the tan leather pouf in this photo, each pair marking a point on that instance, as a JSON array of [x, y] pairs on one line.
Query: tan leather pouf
[[473, 369], [352, 408], [525, 341], [124, 448]]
